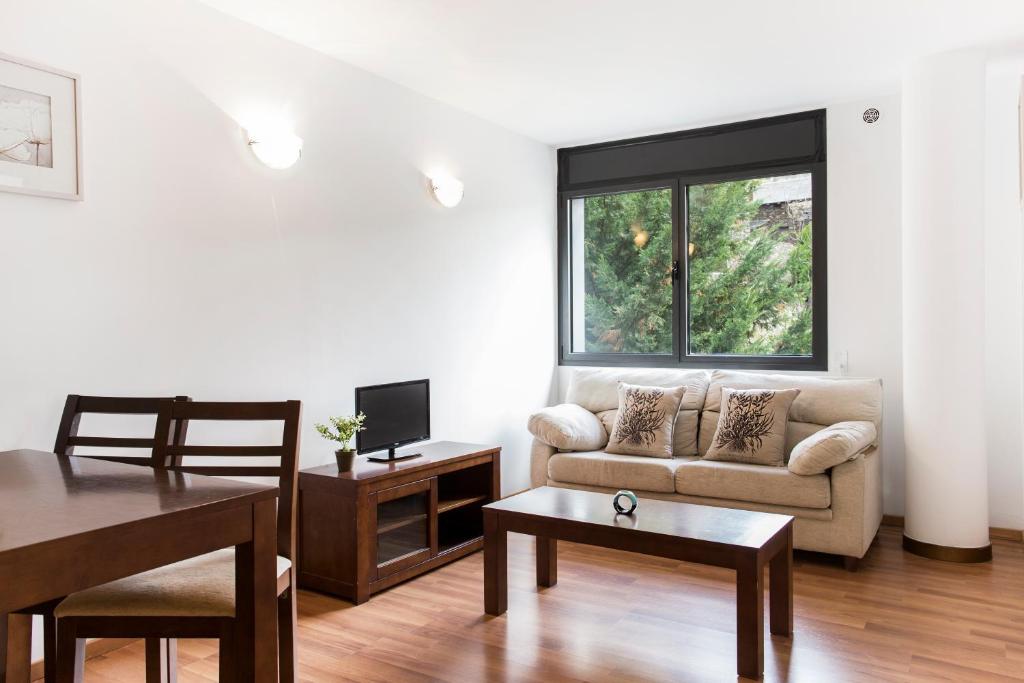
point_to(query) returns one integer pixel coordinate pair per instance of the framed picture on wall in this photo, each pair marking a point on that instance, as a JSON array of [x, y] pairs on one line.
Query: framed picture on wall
[[40, 130]]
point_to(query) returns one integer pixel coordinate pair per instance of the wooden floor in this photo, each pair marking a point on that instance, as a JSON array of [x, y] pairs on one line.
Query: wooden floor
[[620, 617]]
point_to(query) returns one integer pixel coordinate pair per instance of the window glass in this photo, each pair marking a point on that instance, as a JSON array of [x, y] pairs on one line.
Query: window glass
[[621, 272], [749, 274]]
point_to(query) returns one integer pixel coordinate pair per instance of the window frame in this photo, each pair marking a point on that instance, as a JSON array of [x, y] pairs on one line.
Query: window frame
[[679, 183], [565, 281]]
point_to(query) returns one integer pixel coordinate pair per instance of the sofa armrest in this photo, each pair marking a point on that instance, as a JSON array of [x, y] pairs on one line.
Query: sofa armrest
[[539, 454], [857, 502]]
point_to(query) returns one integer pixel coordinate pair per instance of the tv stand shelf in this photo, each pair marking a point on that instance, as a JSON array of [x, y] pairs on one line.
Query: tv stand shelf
[[365, 530], [456, 503]]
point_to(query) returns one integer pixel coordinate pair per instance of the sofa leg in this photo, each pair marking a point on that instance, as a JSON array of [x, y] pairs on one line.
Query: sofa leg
[[851, 563]]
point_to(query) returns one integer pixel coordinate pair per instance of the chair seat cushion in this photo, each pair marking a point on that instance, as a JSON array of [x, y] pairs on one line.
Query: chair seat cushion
[[753, 483], [202, 586], [598, 468]]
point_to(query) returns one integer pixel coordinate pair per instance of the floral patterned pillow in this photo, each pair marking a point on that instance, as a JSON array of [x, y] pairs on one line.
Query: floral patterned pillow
[[645, 420], [752, 426]]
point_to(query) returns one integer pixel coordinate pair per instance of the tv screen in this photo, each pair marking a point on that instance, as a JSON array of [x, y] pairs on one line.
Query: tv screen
[[396, 414]]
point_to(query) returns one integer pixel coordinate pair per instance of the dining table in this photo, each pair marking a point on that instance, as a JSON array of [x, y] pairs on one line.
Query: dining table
[[68, 523]]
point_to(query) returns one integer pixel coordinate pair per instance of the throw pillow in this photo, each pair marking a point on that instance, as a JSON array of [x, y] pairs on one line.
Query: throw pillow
[[645, 420], [831, 446], [607, 418], [568, 427], [752, 426]]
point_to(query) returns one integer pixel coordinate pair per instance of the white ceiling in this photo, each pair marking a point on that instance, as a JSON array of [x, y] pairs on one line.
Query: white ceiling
[[567, 71]]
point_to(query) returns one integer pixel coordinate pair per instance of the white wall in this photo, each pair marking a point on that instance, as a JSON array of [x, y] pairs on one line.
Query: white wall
[[864, 264], [1004, 339], [191, 268]]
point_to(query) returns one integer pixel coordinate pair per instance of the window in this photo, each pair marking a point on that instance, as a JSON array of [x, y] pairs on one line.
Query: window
[[710, 267], [749, 265], [622, 272]]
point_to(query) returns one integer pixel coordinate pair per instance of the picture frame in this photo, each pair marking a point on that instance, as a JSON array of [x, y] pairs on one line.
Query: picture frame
[[40, 130]]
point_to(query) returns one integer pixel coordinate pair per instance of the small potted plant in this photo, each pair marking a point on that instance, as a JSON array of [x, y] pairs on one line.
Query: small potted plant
[[344, 428]]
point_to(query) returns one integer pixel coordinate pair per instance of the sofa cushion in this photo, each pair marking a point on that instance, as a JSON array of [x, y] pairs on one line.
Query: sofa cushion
[[752, 426], [831, 446], [822, 400], [596, 389], [753, 483], [598, 468], [568, 427], [645, 421]]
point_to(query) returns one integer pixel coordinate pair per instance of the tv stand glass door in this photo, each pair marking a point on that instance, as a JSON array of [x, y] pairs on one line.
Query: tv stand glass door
[[406, 529]]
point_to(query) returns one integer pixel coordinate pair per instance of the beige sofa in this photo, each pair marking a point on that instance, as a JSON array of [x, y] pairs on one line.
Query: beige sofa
[[837, 512]]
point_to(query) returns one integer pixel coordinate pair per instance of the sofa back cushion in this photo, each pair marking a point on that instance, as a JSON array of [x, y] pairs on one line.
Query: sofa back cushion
[[597, 390], [823, 401]]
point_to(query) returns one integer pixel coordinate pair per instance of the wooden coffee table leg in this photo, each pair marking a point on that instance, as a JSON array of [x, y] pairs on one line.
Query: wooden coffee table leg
[[749, 616], [547, 561], [495, 565], [780, 588]]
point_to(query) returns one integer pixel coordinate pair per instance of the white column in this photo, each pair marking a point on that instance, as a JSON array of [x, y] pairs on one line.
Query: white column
[[943, 115]]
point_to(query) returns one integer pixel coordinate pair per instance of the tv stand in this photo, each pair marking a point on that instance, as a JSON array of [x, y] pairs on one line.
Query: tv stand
[[392, 456], [366, 529]]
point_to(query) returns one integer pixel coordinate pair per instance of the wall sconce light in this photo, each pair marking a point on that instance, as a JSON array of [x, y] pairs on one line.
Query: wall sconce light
[[276, 149], [447, 190]]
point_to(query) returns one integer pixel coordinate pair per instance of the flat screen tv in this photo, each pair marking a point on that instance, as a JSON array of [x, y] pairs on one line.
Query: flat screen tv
[[397, 414]]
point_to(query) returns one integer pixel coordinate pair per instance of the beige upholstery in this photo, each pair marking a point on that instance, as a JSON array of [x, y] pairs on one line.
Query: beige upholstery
[[847, 528], [822, 400], [831, 446], [753, 483], [598, 468], [202, 586], [837, 512], [596, 389], [540, 453], [568, 427]]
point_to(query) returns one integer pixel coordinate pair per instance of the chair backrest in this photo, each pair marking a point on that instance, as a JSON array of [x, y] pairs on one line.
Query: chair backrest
[[76, 406], [172, 455]]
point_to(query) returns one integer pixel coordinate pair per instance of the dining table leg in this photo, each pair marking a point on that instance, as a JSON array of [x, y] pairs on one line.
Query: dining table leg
[[256, 598], [15, 648]]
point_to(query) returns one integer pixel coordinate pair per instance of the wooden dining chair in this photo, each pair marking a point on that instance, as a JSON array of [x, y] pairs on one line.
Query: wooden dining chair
[[75, 406], [194, 598], [67, 438]]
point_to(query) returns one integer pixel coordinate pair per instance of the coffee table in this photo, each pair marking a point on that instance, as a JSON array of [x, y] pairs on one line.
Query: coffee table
[[742, 540]]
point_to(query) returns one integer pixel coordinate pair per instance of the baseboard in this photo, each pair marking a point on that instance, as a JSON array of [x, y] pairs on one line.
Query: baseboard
[[94, 648], [994, 532]]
